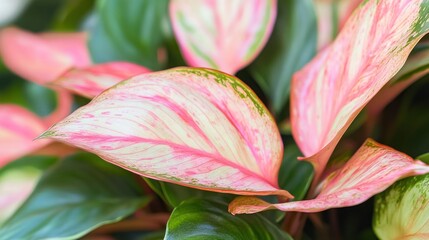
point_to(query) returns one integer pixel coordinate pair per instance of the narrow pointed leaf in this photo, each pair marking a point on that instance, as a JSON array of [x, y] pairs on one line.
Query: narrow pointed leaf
[[331, 90], [91, 81], [207, 219], [77, 195], [372, 169], [187, 126], [18, 128], [402, 211], [22, 52], [222, 34], [291, 45]]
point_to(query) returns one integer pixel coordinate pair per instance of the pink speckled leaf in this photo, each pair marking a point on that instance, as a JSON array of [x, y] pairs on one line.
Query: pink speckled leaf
[[329, 92], [42, 58], [372, 169], [91, 81], [222, 34], [188, 126]]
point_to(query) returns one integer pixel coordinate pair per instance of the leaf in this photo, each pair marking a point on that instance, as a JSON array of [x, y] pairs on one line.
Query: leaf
[[205, 219], [295, 175], [18, 128], [187, 126], [78, 195], [128, 32], [59, 51], [330, 91], [222, 34], [401, 212], [292, 44], [416, 66], [17, 180], [72, 14], [91, 81], [372, 169]]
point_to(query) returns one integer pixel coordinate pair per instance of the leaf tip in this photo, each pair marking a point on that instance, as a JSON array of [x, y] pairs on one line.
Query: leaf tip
[[247, 205]]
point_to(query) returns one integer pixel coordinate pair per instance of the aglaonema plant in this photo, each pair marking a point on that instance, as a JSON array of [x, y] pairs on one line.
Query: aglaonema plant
[[203, 128]]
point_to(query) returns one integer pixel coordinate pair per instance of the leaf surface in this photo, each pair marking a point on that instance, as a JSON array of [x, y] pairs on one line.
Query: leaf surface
[[92, 80], [372, 169], [79, 194], [187, 126], [222, 34], [206, 219], [329, 92]]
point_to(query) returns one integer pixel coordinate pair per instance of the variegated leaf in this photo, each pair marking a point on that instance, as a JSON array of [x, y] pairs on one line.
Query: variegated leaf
[[195, 127], [329, 92], [402, 211], [372, 169], [42, 58], [415, 68], [91, 81], [222, 34]]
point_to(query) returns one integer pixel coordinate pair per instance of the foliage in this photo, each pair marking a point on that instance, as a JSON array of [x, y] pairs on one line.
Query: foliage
[[205, 114]]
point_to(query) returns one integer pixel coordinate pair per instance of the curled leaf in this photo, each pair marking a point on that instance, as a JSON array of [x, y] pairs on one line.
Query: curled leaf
[[329, 92], [372, 169], [222, 34], [92, 80], [187, 126]]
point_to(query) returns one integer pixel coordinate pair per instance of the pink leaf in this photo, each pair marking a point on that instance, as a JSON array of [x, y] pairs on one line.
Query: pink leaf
[[222, 34], [91, 81], [330, 91], [372, 169], [18, 128], [42, 58], [195, 127]]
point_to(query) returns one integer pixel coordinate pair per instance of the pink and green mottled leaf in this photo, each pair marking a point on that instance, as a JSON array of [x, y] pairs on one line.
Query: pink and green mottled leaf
[[222, 34], [402, 211], [91, 81], [372, 169], [42, 58], [414, 69], [188, 126], [329, 92]]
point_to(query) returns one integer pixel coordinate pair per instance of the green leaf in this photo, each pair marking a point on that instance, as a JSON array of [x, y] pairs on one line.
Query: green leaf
[[128, 32], [206, 219], [295, 176], [71, 14], [292, 44], [402, 211], [74, 197], [424, 158], [173, 194]]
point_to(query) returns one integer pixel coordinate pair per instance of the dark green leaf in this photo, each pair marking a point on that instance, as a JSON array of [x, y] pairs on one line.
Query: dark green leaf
[[295, 176], [424, 158], [129, 32], [72, 14], [292, 44], [79, 194], [174, 194], [206, 219]]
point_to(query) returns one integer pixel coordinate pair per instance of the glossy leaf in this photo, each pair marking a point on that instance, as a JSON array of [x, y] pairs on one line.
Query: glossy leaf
[[187, 126], [222, 34], [330, 91], [129, 32], [402, 211], [77, 195], [91, 81], [204, 219], [372, 169], [291, 46], [17, 180], [416, 66], [21, 52]]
